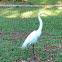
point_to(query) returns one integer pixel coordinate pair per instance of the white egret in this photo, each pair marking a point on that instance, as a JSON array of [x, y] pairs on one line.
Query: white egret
[[33, 36]]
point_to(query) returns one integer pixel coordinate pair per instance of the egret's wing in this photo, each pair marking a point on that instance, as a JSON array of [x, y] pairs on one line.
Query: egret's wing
[[31, 38]]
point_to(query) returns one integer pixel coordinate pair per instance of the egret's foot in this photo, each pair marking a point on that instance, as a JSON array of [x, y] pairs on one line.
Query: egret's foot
[[34, 54], [25, 59], [35, 58]]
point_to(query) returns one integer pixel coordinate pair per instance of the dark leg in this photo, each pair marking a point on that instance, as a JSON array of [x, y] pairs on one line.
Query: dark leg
[[27, 53], [34, 53], [33, 49]]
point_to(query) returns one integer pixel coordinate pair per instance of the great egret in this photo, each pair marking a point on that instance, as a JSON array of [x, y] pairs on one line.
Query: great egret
[[33, 36]]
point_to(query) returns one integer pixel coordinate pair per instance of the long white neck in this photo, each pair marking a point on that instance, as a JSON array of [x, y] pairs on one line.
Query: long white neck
[[41, 23]]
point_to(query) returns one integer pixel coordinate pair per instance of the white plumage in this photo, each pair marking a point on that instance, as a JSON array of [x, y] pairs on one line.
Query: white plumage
[[33, 36]]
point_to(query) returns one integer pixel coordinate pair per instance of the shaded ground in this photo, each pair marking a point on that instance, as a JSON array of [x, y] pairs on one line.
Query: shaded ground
[[15, 35], [47, 48]]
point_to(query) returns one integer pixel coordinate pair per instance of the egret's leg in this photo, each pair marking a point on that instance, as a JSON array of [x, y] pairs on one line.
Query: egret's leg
[[34, 53], [33, 49], [27, 53]]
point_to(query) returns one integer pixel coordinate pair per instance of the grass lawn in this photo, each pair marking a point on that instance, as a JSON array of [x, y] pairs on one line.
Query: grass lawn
[[17, 23], [35, 2]]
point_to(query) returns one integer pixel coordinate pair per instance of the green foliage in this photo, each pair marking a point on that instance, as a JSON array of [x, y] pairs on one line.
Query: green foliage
[[35, 2]]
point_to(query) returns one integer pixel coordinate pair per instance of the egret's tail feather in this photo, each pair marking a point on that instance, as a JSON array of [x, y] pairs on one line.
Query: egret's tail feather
[[24, 46]]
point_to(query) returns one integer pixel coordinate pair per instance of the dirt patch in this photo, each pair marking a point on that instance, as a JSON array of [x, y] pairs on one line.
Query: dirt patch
[[20, 35], [47, 48], [59, 52], [14, 35], [59, 45], [29, 60], [1, 35], [50, 60]]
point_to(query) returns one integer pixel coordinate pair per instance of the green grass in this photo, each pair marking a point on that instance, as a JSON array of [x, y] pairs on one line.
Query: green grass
[[17, 23], [35, 2]]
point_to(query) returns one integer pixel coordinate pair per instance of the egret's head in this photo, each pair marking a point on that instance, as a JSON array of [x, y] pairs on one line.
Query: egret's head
[[43, 13]]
